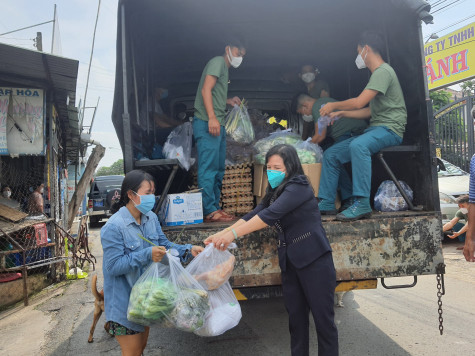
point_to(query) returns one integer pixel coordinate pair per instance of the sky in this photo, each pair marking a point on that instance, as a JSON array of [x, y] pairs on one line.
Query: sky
[[76, 20]]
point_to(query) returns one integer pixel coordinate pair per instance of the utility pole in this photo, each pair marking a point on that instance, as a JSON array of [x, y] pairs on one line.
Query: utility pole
[[38, 42], [54, 26]]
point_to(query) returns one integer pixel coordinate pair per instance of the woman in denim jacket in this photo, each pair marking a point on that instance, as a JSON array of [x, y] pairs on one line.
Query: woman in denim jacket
[[126, 255], [305, 255]]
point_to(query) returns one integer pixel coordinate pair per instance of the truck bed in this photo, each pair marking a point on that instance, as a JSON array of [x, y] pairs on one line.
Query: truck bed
[[386, 245]]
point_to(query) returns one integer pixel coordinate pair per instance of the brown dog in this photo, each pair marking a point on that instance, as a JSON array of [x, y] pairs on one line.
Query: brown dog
[[98, 307]]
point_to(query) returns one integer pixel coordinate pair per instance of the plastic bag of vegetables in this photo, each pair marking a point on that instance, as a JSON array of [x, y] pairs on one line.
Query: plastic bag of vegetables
[[212, 268], [276, 138], [166, 292], [238, 124], [309, 152]]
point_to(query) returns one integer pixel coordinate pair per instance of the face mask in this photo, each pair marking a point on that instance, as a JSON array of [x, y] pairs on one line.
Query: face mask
[[308, 77], [42, 190], [359, 61], [234, 61], [307, 118], [275, 178], [464, 211], [146, 203], [7, 194]]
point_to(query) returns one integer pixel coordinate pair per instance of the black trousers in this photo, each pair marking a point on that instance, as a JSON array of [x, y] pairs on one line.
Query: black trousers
[[311, 288]]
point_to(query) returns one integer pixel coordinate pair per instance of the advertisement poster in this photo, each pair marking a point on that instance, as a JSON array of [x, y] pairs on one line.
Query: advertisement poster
[[25, 119], [4, 100], [451, 59]]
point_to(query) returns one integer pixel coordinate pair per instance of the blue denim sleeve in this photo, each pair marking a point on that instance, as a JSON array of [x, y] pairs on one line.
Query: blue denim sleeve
[[291, 198], [115, 260], [471, 193], [183, 250]]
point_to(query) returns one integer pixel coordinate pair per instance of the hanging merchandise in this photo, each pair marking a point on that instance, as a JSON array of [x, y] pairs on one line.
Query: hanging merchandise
[[238, 124], [212, 268], [178, 145]]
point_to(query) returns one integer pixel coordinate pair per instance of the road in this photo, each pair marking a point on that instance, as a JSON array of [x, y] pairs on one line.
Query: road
[[372, 322]]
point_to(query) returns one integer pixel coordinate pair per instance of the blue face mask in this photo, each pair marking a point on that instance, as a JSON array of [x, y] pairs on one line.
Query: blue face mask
[[275, 178], [146, 203]]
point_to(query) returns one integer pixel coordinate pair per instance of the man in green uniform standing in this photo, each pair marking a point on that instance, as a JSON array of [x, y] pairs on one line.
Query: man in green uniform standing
[[341, 130], [210, 135], [388, 117]]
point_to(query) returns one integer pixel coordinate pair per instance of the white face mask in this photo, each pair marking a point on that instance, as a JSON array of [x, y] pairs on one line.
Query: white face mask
[[234, 61], [308, 77], [360, 60], [464, 211], [307, 118], [7, 194]]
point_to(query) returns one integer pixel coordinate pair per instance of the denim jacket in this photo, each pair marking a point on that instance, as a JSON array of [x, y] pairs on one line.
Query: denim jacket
[[126, 256]]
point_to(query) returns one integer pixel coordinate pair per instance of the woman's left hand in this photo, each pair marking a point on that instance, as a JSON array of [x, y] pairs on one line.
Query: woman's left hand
[[196, 250]]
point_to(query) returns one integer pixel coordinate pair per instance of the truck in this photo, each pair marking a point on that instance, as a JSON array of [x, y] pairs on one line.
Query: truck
[[166, 44]]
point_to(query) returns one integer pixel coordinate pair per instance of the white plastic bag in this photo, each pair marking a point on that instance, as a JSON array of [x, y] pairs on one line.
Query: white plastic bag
[[309, 152], [388, 197], [178, 145], [238, 124], [166, 292], [212, 268]]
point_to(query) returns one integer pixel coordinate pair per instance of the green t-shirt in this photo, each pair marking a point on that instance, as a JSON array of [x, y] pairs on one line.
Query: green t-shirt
[[341, 126], [388, 107], [215, 67], [461, 215], [318, 87]]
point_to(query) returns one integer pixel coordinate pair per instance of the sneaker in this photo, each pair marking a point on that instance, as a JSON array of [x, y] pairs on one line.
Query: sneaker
[[327, 208], [347, 203], [359, 210]]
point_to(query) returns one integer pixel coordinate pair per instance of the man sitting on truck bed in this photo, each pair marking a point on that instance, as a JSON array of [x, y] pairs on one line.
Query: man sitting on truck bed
[[341, 130], [388, 117], [208, 129]]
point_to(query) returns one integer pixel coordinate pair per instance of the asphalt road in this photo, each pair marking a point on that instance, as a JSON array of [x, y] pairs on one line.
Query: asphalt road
[[372, 322]]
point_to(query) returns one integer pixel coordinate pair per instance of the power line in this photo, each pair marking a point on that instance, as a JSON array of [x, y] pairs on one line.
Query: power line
[[451, 25], [443, 7]]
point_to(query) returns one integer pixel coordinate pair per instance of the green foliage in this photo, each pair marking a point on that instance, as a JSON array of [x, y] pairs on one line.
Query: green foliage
[[468, 87], [117, 168], [440, 98]]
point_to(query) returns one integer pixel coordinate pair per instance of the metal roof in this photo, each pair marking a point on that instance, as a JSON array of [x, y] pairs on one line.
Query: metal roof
[[57, 75]]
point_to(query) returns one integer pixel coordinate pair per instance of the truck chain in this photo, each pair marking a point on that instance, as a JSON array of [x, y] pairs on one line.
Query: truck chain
[[440, 292]]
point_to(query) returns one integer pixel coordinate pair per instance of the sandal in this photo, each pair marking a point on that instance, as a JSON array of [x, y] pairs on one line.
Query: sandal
[[226, 214], [217, 216]]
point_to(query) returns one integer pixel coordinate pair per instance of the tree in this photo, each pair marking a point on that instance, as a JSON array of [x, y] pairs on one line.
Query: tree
[[439, 98], [117, 168], [468, 87]]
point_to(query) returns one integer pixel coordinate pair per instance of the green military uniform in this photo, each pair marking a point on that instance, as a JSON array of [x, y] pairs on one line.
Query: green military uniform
[[211, 149]]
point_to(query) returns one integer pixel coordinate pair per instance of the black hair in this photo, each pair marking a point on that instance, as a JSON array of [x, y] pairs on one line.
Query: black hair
[[374, 40], [293, 168], [236, 42], [132, 181], [302, 98], [462, 199]]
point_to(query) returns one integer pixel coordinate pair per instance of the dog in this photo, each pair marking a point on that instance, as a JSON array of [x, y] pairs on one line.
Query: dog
[[98, 308]]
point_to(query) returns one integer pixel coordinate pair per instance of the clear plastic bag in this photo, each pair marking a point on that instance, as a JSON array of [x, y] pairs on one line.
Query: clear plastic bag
[[276, 138], [309, 152], [238, 124], [167, 294], [212, 268], [388, 197], [178, 145]]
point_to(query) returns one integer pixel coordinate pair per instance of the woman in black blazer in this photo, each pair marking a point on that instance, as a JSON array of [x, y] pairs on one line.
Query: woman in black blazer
[[305, 255]]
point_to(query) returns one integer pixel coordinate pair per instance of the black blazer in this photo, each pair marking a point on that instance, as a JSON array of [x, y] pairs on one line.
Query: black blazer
[[295, 214]]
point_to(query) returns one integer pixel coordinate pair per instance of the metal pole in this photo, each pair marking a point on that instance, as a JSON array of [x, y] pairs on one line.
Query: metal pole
[[94, 115], [128, 154], [54, 26], [136, 94]]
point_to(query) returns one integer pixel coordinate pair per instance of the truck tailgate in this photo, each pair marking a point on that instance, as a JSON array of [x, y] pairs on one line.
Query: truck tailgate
[[387, 245]]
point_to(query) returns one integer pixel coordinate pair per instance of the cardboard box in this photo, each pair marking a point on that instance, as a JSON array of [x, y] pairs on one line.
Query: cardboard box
[[182, 209], [312, 171]]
